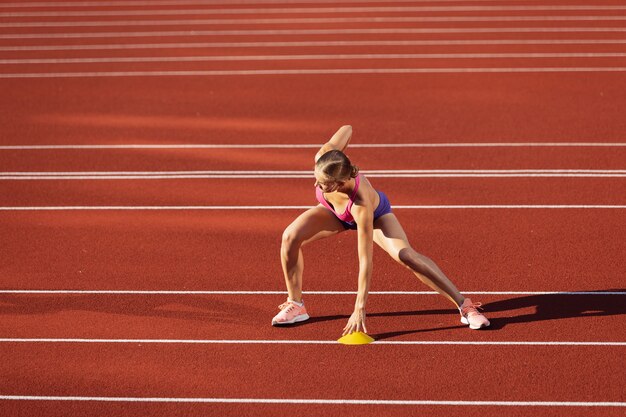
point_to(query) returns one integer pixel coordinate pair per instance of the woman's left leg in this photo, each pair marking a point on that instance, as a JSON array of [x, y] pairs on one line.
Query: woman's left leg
[[390, 236]]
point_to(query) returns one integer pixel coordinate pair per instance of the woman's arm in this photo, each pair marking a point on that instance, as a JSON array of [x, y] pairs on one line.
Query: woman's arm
[[339, 141], [364, 217]]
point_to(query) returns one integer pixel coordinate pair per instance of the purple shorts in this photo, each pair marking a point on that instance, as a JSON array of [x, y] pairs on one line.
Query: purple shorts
[[384, 207]]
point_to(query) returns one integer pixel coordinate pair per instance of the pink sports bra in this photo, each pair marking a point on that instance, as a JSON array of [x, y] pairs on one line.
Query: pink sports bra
[[346, 216]]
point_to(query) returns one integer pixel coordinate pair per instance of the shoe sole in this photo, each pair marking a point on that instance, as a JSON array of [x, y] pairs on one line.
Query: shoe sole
[[464, 321], [297, 319]]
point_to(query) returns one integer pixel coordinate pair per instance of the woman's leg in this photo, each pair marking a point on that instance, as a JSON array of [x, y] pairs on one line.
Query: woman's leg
[[389, 235], [314, 224]]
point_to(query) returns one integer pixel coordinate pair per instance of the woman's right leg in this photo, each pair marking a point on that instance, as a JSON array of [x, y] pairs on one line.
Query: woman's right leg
[[314, 224]]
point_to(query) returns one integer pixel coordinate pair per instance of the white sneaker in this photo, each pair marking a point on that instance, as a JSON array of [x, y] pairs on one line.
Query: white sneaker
[[290, 313], [470, 315]]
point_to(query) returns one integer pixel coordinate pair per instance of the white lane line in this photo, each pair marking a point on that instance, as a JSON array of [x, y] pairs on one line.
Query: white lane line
[[80, 208], [315, 10], [318, 57], [187, 45], [306, 342], [297, 32], [160, 175], [314, 401], [317, 145], [153, 3], [399, 207], [309, 173], [177, 292], [312, 72], [196, 177], [325, 20]]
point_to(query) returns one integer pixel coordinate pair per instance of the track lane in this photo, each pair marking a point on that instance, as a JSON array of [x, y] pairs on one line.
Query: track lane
[[155, 28], [607, 31], [60, 408], [274, 65], [300, 192], [293, 158], [394, 18], [390, 318], [172, 36], [239, 49], [292, 11], [246, 4], [547, 107], [492, 250], [243, 15], [338, 372]]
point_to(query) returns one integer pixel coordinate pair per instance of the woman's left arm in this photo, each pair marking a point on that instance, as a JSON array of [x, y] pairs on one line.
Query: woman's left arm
[[364, 217]]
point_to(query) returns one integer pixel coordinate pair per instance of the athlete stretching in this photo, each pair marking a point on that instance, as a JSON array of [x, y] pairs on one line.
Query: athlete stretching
[[348, 201]]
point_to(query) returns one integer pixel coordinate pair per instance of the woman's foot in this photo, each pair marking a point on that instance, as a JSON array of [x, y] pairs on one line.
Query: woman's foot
[[290, 313], [470, 315]]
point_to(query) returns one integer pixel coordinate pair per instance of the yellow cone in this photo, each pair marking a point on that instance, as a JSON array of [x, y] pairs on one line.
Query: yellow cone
[[356, 338]]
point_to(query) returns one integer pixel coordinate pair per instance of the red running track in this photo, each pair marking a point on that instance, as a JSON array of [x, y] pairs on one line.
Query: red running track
[[327, 371], [393, 318], [496, 156], [528, 251], [426, 108], [517, 250]]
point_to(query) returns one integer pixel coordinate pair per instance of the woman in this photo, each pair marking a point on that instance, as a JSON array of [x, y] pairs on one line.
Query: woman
[[348, 201]]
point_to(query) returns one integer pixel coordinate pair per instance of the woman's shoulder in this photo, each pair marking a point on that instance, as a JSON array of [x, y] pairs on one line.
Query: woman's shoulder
[[364, 182], [366, 192]]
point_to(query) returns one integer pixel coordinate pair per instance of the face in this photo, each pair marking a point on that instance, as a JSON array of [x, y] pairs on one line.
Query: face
[[326, 184]]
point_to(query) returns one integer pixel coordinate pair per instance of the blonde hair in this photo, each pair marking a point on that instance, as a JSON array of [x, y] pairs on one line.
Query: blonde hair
[[336, 165]]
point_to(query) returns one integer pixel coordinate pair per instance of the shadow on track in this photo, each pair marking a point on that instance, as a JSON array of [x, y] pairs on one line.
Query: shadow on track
[[388, 335], [320, 319], [205, 308], [200, 308], [557, 306], [542, 307]]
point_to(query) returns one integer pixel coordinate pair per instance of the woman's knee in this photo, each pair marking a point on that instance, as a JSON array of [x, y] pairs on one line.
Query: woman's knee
[[413, 260], [291, 239]]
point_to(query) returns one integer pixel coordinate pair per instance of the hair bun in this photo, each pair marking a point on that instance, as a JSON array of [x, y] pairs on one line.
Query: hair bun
[[336, 165]]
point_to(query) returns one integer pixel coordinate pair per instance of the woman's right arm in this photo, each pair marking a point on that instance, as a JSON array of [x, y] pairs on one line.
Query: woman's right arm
[[339, 141]]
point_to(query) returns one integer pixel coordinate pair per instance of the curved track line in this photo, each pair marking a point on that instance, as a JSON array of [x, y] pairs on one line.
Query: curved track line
[[310, 72], [296, 21], [165, 292], [317, 57], [307, 342], [313, 44], [432, 207], [294, 32], [314, 401], [309, 10], [24, 176], [136, 3], [315, 146], [307, 173]]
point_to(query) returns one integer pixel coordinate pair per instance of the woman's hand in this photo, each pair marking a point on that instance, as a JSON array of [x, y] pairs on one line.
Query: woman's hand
[[356, 323]]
